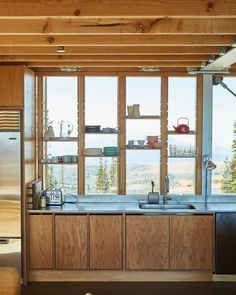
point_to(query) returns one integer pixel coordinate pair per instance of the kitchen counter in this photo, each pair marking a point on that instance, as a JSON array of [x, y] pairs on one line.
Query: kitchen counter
[[133, 207]]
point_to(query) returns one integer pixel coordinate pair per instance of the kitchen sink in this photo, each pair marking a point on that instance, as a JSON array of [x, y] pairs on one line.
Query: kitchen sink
[[166, 206]]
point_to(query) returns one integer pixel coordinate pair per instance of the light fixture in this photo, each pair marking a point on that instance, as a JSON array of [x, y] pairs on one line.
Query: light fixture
[[149, 69], [194, 71], [223, 51], [212, 58], [71, 69], [61, 49], [219, 80], [209, 165]]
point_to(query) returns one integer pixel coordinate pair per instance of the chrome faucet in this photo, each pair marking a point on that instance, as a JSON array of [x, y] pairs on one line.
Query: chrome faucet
[[166, 190]]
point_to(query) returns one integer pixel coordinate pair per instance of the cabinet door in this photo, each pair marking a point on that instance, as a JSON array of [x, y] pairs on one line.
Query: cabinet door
[[105, 242], [191, 242], [11, 86], [147, 242], [71, 236], [40, 241], [226, 243]]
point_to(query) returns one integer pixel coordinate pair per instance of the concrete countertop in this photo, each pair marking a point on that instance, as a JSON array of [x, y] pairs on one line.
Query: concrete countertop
[[133, 207]]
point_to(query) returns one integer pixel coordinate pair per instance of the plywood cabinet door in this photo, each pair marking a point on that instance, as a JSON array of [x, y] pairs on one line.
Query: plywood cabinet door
[[105, 242], [41, 241], [11, 86], [71, 241], [191, 242], [147, 242]]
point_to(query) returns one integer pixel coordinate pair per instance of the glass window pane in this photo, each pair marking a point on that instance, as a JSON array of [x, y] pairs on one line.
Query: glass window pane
[[61, 102], [101, 101], [101, 175], [182, 101], [181, 174], [142, 167], [224, 136], [62, 176], [145, 91]]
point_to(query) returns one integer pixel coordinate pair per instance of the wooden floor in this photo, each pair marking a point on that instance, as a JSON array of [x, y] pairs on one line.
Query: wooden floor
[[209, 288]]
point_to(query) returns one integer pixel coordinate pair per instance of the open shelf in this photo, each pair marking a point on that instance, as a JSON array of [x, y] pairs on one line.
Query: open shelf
[[173, 132], [63, 139], [102, 132], [143, 117], [137, 148], [50, 163]]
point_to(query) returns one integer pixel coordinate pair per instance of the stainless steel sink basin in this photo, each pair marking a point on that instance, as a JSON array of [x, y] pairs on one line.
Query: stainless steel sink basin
[[166, 206]]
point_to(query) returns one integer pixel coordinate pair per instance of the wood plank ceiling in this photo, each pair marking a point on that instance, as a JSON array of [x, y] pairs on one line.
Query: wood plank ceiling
[[116, 34]]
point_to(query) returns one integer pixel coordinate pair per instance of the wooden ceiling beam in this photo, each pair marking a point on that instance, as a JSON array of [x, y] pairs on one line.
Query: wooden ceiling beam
[[121, 50], [117, 40], [117, 8], [105, 58], [114, 64], [165, 25]]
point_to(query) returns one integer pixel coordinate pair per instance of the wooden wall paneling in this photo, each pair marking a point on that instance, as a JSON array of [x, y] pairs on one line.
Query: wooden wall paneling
[[191, 242], [106, 242], [164, 132], [121, 112], [41, 241], [81, 137], [71, 244], [147, 242], [39, 126], [199, 105], [28, 157], [12, 87]]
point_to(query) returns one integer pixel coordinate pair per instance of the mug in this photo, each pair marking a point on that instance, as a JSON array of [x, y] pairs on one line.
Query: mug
[[131, 143], [141, 143], [66, 159]]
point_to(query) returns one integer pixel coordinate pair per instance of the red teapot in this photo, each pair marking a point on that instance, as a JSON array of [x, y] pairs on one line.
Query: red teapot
[[182, 128]]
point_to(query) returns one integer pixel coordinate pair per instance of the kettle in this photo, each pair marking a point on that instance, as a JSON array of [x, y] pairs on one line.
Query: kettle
[[182, 128], [65, 128]]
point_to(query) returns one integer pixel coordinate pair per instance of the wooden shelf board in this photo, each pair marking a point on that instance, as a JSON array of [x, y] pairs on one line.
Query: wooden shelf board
[[102, 156], [61, 139], [47, 163], [101, 132], [145, 148], [179, 157], [173, 132], [144, 117]]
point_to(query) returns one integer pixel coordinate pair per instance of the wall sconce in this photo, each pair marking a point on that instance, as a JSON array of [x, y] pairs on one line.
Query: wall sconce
[[209, 165]]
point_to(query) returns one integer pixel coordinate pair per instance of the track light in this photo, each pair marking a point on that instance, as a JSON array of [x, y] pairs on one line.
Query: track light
[[61, 49]]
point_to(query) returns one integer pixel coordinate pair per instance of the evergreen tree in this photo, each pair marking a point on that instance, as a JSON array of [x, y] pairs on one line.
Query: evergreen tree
[[228, 184], [100, 176], [51, 180]]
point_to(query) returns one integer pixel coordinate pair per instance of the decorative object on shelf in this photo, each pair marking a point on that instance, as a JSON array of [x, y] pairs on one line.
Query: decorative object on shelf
[[182, 128], [110, 130], [133, 111], [151, 140], [65, 128], [110, 151], [92, 128], [136, 111], [131, 143], [93, 152], [130, 111], [50, 132], [141, 143], [182, 151]]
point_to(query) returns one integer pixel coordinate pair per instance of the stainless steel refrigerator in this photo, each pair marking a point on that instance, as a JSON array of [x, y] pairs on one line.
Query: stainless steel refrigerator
[[10, 189]]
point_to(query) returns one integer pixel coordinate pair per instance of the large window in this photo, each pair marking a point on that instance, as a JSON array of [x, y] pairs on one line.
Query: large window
[[224, 134], [77, 156]]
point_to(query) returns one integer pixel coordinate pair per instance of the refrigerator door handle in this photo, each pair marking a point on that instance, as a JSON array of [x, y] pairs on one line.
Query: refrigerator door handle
[[4, 241]]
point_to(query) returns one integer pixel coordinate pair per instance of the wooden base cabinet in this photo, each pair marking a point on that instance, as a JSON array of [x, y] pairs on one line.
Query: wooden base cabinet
[[191, 242], [71, 242], [147, 242], [41, 241], [106, 242]]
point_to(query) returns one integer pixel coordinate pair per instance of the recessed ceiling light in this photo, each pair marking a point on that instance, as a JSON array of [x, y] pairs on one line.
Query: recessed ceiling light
[[71, 69], [61, 49], [149, 69]]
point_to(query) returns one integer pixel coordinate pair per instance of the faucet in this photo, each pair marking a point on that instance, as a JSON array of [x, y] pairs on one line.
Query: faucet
[[166, 190]]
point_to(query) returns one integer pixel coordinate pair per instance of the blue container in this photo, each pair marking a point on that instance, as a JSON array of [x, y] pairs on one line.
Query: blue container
[[110, 151]]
